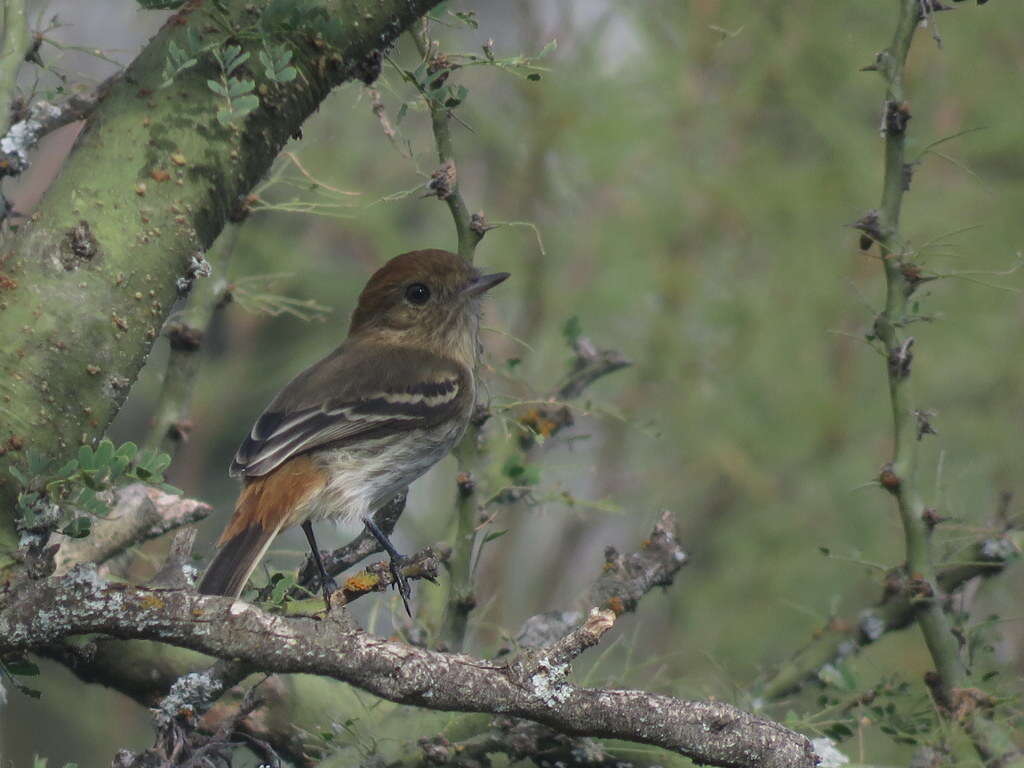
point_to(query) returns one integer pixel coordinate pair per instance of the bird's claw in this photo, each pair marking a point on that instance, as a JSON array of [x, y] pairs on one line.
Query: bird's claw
[[329, 587]]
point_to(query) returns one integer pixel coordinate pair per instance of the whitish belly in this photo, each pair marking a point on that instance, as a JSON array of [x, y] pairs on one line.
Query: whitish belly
[[363, 479]]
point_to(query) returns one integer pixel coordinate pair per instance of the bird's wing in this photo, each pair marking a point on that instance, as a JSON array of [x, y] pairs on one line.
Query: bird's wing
[[353, 395]]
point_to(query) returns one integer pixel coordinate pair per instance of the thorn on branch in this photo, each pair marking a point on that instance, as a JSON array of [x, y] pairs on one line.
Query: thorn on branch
[[442, 181], [466, 484], [868, 224], [900, 359], [895, 116], [889, 479], [924, 424], [184, 338], [478, 223], [932, 518]]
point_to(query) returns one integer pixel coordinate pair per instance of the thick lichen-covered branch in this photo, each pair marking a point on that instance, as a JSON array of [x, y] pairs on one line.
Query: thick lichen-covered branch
[[47, 611], [88, 282], [294, 704]]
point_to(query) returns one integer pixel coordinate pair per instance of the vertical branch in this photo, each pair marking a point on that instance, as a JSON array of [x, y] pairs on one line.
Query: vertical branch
[[898, 477], [170, 421], [16, 45], [951, 684], [470, 230]]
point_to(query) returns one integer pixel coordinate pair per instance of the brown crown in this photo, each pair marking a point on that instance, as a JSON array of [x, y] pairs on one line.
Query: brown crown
[[441, 271]]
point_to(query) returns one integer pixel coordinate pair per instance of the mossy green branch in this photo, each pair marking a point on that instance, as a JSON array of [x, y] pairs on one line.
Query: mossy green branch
[[899, 476], [185, 333], [86, 285], [924, 590], [16, 45], [468, 234]]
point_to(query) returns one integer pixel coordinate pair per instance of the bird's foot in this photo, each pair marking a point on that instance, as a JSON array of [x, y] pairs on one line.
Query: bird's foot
[[401, 583], [329, 587]]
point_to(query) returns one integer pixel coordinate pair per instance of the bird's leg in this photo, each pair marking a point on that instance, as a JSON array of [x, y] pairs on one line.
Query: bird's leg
[[327, 583], [401, 583]]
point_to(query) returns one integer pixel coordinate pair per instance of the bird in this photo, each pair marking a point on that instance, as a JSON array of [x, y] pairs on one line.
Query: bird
[[354, 429]]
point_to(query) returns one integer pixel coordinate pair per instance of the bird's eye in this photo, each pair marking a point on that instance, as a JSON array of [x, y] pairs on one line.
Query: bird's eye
[[417, 293]]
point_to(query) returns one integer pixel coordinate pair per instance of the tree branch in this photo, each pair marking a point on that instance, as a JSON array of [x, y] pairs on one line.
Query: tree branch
[[895, 611], [139, 513], [171, 425], [16, 44], [469, 229], [898, 476], [47, 611]]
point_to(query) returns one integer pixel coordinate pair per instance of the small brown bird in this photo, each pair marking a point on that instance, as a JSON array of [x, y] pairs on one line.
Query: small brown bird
[[351, 431]]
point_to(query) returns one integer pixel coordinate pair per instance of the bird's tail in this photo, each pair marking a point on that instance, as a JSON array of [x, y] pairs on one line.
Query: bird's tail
[[237, 559], [267, 504]]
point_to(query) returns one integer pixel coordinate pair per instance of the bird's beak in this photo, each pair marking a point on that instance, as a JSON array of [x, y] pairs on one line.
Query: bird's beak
[[483, 283]]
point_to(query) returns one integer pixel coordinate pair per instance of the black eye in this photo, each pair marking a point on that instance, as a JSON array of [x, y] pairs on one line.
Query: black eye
[[417, 293]]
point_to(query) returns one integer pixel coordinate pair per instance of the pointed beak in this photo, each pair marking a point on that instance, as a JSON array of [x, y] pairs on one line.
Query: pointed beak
[[483, 283]]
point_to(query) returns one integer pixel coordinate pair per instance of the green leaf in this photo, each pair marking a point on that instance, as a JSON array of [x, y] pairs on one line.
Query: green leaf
[[36, 461], [547, 49], [243, 105], [240, 87], [67, 470], [104, 453], [85, 460], [16, 474], [78, 528], [468, 18], [401, 113], [217, 88], [161, 5], [494, 535], [128, 450], [287, 74], [281, 587]]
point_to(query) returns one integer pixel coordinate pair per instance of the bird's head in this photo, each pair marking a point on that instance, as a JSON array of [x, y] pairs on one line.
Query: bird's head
[[429, 298]]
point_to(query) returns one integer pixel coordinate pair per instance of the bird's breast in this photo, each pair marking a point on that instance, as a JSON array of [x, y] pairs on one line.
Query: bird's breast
[[362, 479]]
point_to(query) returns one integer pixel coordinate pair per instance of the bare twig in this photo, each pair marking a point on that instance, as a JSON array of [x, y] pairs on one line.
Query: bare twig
[[140, 513], [842, 637]]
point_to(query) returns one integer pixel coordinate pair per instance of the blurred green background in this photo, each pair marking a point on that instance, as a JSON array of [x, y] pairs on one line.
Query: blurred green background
[[693, 168]]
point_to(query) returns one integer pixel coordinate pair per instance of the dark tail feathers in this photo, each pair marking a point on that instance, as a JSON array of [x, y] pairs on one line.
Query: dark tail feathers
[[235, 562]]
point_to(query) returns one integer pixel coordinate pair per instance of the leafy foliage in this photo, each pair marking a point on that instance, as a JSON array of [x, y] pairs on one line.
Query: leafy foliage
[[70, 497]]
